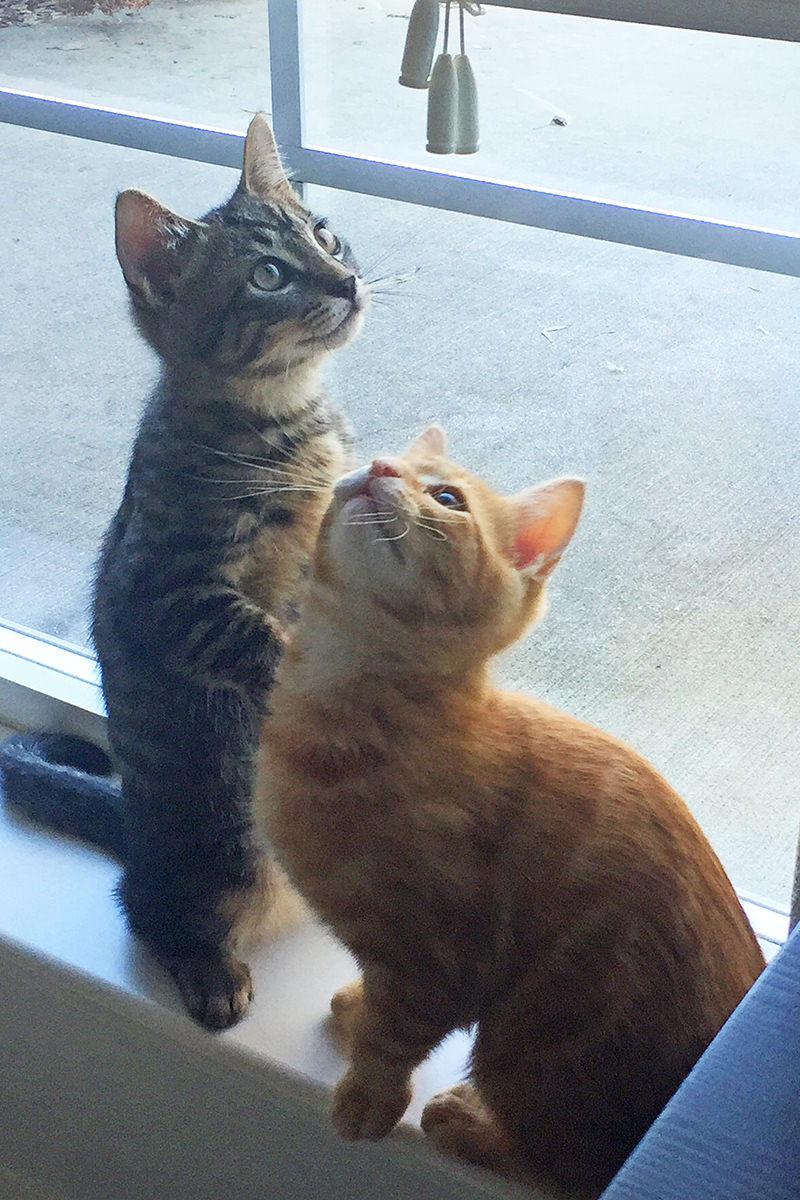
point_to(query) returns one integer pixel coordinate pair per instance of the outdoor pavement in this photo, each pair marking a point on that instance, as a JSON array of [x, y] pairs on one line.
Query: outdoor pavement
[[670, 383]]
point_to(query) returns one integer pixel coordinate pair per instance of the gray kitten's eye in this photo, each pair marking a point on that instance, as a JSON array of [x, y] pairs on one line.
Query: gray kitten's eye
[[269, 275], [326, 239]]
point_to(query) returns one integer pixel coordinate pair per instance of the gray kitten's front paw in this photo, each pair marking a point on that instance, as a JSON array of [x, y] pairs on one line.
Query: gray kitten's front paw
[[216, 988]]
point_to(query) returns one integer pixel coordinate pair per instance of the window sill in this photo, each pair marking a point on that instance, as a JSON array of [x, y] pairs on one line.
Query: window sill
[[114, 1091]]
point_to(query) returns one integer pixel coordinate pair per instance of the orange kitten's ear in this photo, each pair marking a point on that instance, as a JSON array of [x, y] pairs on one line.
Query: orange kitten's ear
[[432, 441], [151, 244], [546, 518], [263, 174]]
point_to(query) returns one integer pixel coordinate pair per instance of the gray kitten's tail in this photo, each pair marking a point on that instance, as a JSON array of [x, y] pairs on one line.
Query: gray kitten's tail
[[67, 784]]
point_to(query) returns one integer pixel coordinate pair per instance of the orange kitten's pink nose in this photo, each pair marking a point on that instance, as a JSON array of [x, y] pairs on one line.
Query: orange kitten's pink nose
[[384, 466]]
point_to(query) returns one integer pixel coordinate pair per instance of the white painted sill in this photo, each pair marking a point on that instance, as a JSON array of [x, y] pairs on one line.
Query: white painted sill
[[109, 1092]]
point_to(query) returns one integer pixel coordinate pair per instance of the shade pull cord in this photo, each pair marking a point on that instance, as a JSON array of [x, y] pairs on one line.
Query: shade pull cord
[[450, 80]]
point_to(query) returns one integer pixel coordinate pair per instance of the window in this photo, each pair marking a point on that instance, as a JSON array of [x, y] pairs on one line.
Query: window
[[667, 379]]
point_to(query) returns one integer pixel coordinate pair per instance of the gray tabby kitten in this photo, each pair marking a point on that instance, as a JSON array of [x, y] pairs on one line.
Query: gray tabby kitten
[[230, 474]]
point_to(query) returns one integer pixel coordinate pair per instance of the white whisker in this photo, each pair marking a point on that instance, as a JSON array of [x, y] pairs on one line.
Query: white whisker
[[295, 487], [396, 537], [451, 518], [223, 453], [262, 491], [285, 435], [436, 534], [257, 463], [261, 485], [371, 518], [241, 496], [374, 512], [279, 477], [242, 480]]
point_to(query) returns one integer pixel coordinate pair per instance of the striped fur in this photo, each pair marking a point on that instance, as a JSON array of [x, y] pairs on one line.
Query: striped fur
[[198, 574], [488, 860]]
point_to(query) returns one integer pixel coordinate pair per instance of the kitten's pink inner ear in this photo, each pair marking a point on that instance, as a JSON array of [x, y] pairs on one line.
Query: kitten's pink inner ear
[[432, 441], [263, 174], [548, 516], [150, 241]]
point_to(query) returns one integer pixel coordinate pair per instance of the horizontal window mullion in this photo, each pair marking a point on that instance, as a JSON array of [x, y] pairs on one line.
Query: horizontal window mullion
[[777, 20]]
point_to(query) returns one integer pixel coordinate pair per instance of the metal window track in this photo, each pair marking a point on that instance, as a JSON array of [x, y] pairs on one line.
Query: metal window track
[[762, 249], [46, 684], [777, 20]]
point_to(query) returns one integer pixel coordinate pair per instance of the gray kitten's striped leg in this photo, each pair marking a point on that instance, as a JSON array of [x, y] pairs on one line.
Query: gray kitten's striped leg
[[211, 633]]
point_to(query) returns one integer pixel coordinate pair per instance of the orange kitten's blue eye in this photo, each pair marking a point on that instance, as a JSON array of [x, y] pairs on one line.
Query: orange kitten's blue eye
[[449, 497], [269, 275]]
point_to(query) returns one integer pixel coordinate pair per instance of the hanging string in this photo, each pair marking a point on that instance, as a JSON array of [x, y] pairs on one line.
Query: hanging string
[[461, 26], [447, 24]]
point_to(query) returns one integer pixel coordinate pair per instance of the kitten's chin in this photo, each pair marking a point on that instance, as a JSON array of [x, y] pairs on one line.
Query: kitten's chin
[[349, 329], [358, 506], [346, 330], [366, 550]]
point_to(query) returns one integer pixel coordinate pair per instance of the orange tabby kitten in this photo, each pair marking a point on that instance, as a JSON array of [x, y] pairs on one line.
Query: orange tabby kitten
[[486, 858]]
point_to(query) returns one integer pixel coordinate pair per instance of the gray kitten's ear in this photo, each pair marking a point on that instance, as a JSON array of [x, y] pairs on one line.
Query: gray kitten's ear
[[432, 441], [263, 174], [152, 244]]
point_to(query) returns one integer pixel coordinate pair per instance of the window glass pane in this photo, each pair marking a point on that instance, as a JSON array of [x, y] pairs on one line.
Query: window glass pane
[[191, 60], [75, 373], [669, 383], [668, 118]]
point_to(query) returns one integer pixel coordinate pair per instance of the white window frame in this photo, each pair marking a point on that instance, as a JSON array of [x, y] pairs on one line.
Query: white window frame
[[48, 684], [75, 703]]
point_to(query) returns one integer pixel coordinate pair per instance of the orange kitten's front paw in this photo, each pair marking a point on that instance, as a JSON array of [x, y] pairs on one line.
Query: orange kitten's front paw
[[346, 1005], [362, 1112], [459, 1124]]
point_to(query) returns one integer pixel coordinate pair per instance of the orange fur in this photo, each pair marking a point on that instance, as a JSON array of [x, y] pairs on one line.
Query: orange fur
[[487, 858]]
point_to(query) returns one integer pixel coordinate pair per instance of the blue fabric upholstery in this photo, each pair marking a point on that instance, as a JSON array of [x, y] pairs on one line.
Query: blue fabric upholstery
[[732, 1130]]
